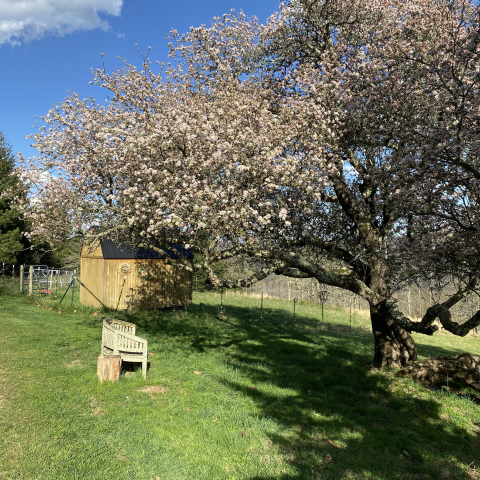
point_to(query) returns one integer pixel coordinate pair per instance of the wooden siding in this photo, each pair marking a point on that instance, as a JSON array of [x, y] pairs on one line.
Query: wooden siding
[[95, 253], [167, 286], [91, 275]]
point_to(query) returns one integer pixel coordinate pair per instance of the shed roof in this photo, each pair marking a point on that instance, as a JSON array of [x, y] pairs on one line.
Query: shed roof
[[112, 250]]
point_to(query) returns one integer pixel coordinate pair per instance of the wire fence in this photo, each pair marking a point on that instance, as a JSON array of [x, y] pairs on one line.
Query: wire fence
[[413, 300], [34, 279], [10, 278], [41, 278]]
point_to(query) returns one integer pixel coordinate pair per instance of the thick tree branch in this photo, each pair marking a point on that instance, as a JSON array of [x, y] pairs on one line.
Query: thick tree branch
[[440, 311]]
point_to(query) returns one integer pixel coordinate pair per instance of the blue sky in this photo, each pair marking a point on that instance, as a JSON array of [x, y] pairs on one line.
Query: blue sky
[[49, 46]]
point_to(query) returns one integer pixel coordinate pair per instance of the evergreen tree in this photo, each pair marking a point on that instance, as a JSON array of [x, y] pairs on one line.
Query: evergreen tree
[[12, 242]]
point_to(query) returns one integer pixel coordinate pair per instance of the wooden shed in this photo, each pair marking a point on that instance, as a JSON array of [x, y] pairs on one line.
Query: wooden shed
[[124, 277]]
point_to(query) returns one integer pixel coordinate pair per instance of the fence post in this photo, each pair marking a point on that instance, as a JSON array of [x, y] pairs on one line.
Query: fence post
[[73, 290], [350, 313], [30, 281], [21, 278], [261, 308]]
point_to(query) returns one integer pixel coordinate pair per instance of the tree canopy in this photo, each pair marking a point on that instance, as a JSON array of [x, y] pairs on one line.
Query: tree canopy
[[339, 141], [12, 242]]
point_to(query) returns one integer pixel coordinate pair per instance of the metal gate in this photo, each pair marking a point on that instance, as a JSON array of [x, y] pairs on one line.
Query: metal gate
[[38, 279]]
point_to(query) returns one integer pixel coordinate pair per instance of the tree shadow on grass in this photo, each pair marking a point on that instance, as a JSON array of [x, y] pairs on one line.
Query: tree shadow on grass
[[336, 418]]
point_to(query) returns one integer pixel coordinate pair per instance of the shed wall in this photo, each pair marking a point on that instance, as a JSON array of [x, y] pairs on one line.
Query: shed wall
[[91, 275], [167, 286]]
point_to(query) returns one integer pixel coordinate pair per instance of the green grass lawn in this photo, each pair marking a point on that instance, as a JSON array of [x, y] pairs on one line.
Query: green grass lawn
[[236, 397]]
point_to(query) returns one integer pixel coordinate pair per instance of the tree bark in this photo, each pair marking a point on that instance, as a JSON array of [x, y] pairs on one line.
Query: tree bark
[[394, 346], [109, 368]]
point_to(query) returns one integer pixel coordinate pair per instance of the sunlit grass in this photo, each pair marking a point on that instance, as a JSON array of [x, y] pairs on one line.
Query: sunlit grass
[[249, 394]]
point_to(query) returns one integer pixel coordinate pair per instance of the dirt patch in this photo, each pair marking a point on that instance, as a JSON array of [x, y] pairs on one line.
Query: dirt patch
[[95, 404], [75, 363], [153, 389], [472, 474]]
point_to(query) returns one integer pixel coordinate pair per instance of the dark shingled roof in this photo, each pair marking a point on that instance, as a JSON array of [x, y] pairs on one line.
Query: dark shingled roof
[[112, 250]]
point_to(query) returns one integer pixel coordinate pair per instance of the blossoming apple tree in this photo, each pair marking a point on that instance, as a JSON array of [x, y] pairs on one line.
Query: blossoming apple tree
[[333, 142]]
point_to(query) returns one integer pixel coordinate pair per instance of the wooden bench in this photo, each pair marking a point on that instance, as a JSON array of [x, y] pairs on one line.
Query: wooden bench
[[118, 338]]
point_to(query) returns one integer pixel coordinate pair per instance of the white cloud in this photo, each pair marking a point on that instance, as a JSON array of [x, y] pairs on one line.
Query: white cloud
[[25, 20]]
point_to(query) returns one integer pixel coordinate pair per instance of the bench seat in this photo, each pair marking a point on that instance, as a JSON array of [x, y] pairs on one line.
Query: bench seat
[[118, 338]]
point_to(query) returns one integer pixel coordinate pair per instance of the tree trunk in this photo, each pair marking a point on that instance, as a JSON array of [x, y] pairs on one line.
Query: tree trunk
[[394, 346], [109, 368]]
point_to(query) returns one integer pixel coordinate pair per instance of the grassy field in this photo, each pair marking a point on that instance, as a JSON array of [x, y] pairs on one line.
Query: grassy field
[[235, 397]]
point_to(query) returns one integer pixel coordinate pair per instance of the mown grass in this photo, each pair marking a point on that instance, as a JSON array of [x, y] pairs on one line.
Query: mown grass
[[235, 397]]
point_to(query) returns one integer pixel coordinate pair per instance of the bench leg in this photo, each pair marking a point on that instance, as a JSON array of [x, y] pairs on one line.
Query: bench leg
[[144, 367]]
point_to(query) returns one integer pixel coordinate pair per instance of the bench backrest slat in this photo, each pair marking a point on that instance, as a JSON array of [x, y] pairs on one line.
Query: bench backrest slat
[[113, 338]]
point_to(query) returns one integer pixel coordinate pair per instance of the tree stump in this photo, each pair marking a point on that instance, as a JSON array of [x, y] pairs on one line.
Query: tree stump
[[109, 368], [463, 368]]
